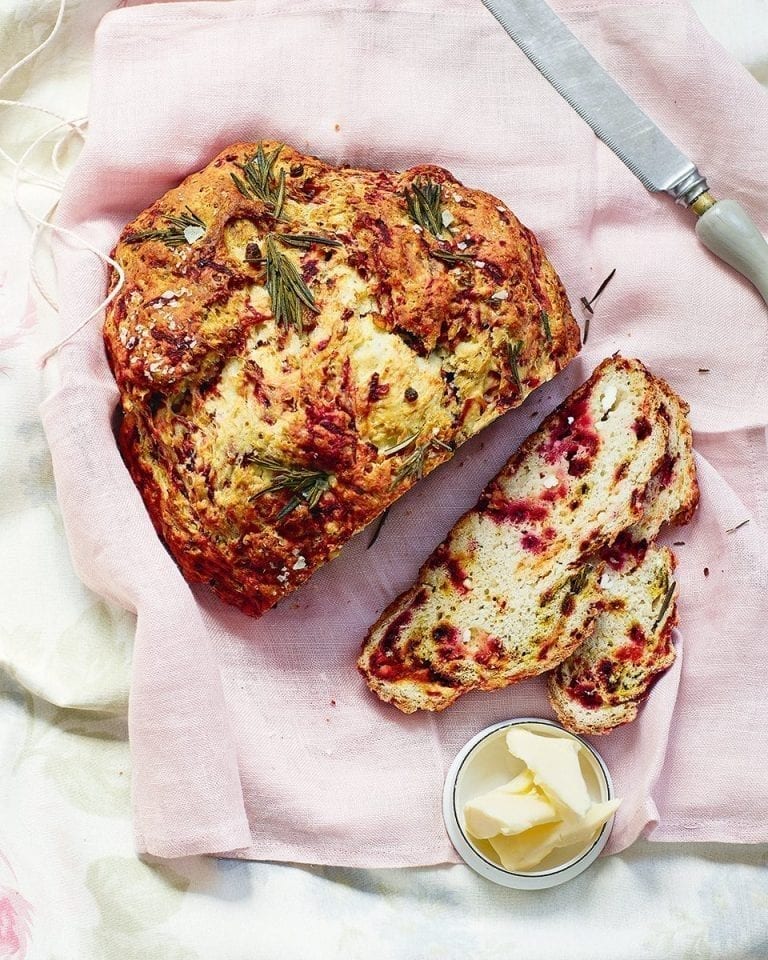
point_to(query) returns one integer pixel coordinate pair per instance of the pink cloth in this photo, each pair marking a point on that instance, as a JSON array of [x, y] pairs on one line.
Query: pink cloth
[[258, 736]]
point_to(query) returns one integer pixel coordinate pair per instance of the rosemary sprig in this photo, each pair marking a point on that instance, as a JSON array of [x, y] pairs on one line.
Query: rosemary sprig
[[579, 580], [306, 240], [413, 465], [448, 257], [738, 526], [389, 451], [544, 318], [377, 528], [185, 228], [514, 350], [307, 486], [259, 181], [424, 201], [287, 290], [670, 591], [587, 304]]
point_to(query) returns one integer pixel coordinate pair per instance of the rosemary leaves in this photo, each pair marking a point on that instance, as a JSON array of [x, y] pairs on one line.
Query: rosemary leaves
[[514, 349], [259, 181], [579, 580], [413, 465], [544, 318], [377, 528], [287, 290], [452, 258], [668, 594], [738, 526], [305, 240], [424, 201], [187, 227], [587, 304], [307, 486]]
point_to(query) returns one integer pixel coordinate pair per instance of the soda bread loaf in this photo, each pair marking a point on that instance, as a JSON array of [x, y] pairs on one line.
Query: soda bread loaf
[[515, 588], [296, 344]]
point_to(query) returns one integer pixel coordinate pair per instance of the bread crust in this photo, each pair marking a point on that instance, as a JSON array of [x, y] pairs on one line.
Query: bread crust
[[407, 356]]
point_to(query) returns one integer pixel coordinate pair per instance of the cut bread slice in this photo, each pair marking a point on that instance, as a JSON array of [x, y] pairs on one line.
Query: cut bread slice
[[673, 493], [602, 683], [580, 689], [514, 590]]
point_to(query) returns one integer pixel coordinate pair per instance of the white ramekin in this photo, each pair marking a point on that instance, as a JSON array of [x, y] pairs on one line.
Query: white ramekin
[[485, 763]]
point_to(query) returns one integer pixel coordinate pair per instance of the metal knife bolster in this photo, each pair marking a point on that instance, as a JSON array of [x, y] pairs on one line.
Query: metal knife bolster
[[688, 187]]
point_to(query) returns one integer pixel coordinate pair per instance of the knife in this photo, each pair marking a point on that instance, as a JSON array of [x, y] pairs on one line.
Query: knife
[[723, 226]]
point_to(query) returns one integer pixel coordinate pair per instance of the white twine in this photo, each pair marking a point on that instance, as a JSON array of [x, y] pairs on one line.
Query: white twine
[[74, 126]]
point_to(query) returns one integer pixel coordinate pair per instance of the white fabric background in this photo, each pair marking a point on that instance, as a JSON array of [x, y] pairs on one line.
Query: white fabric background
[[66, 844]]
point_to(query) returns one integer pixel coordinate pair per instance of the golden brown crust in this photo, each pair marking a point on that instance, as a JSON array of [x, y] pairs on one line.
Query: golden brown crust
[[406, 351]]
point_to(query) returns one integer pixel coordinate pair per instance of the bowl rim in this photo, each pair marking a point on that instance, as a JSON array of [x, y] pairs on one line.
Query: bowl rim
[[452, 821]]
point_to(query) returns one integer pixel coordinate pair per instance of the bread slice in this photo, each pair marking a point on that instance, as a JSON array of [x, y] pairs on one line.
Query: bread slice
[[514, 590], [600, 686], [673, 493]]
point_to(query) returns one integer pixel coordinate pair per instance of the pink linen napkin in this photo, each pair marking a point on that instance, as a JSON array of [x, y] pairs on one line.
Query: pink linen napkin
[[257, 737]]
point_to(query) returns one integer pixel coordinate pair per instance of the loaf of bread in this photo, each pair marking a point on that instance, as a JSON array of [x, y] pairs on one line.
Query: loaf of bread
[[296, 344], [515, 588]]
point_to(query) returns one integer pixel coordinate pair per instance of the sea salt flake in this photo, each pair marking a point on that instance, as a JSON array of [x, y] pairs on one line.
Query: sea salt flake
[[416, 228], [447, 217], [461, 245], [193, 233], [300, 564], [550, 481], [479, 264], [500, 295]]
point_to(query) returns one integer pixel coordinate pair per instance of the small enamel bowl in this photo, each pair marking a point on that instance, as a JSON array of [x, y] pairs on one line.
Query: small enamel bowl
[[485, 763]]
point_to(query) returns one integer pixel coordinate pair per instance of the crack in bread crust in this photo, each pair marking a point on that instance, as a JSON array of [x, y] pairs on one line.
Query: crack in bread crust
[[403, 351]]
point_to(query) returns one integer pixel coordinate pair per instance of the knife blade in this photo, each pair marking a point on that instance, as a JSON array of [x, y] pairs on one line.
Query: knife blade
[[723, 226]]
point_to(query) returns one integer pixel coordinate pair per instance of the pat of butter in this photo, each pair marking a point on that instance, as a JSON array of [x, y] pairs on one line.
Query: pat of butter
[[554, 764], [544, 808], [505, 812], [526, 850]]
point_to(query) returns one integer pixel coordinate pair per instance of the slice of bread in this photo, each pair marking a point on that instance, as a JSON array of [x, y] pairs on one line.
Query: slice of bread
[[673, 493], [600, 686], [514, 590]]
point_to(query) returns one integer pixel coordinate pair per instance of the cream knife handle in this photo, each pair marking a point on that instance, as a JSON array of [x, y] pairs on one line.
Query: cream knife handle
[[725, 228]]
